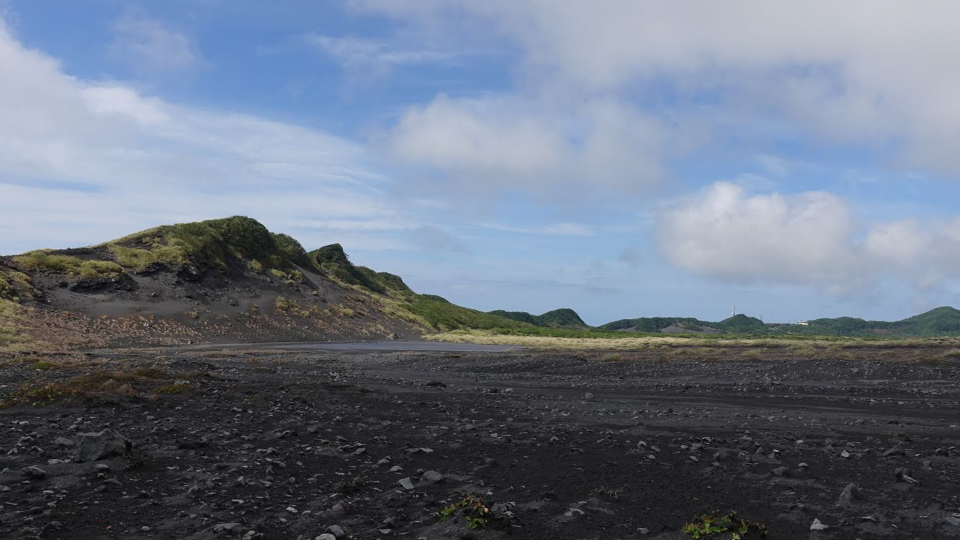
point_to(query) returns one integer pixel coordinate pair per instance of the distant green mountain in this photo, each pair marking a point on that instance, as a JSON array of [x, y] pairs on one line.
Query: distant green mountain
[[558, 318], [942, 321], [741, 324], [659, 324]]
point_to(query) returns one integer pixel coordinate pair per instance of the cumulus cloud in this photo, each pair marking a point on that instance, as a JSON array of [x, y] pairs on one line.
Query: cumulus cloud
[[83, 159], [874, 72], [811, 238], [151, 47], [494, 143]]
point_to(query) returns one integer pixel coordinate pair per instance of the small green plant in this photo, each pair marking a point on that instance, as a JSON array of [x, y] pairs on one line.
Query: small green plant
[[283, 305], [474, 511], [613, 357], [171, 389], [344, 311], [708, 525]]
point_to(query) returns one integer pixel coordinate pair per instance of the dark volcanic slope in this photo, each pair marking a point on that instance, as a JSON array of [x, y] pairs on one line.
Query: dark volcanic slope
[[223, 280], [275, 445]]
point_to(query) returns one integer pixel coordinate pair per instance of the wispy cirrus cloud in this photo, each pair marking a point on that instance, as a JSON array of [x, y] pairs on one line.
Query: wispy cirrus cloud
[[354, 52], [151, 47]]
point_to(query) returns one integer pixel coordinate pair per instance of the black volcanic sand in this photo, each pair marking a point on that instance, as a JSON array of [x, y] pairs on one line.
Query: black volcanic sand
[[284, 445]]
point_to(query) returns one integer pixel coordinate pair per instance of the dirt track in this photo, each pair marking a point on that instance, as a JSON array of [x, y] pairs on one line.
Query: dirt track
[[285, 445]]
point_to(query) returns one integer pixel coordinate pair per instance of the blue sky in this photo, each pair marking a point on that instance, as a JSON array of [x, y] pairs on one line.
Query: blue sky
[[621, 158]]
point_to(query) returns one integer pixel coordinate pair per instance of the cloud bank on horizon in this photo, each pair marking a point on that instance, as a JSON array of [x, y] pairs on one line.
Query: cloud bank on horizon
[[763, 148]]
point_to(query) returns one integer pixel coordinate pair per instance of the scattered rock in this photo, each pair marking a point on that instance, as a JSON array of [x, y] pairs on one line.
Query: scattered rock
[[849, 495], [34, 473], [103, 445], [818, 526], [228, 528], [431, 477], [406, 483]]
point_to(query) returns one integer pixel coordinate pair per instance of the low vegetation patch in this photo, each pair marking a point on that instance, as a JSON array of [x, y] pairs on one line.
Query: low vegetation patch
[[210, 245], [99, 384], [13, 335], [176, 388], [714, 524], [473, 510], [44, 261]]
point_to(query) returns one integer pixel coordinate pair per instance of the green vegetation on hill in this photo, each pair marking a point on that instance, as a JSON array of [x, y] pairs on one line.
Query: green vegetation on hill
[[520, 316], [442, 315], [334, 261], [558, 318], [655, 324], [942, 321], [46, 261], [208, 245], [741, 324]]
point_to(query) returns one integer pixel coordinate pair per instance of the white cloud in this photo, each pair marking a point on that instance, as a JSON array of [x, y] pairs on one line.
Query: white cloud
[[562, 228], [83, 160], [355, 52], [811, 238], [151, 47], [874, 72], [493, 144]]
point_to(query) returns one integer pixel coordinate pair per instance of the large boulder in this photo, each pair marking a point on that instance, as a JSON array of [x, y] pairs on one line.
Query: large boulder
[[103, 445]]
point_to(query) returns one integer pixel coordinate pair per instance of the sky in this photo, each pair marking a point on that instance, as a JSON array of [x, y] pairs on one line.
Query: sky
[[789, 160]]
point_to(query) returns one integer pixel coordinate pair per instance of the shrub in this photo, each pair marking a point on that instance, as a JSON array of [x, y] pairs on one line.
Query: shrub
[[133, 258], [283, 305], [40, 261], [708, 525]]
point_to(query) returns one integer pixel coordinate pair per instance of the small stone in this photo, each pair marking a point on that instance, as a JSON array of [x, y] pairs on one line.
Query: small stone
[[845, 454], [817, 526], [34, 473], [432, 477], [326, 536], [572, 512], [849, 495], [406, 483], [895, 451], [231, 528], [643, 530], [103, 445], [336, 530]]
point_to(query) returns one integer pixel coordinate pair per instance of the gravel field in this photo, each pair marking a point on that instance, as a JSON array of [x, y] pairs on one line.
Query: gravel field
[[299, 444]]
